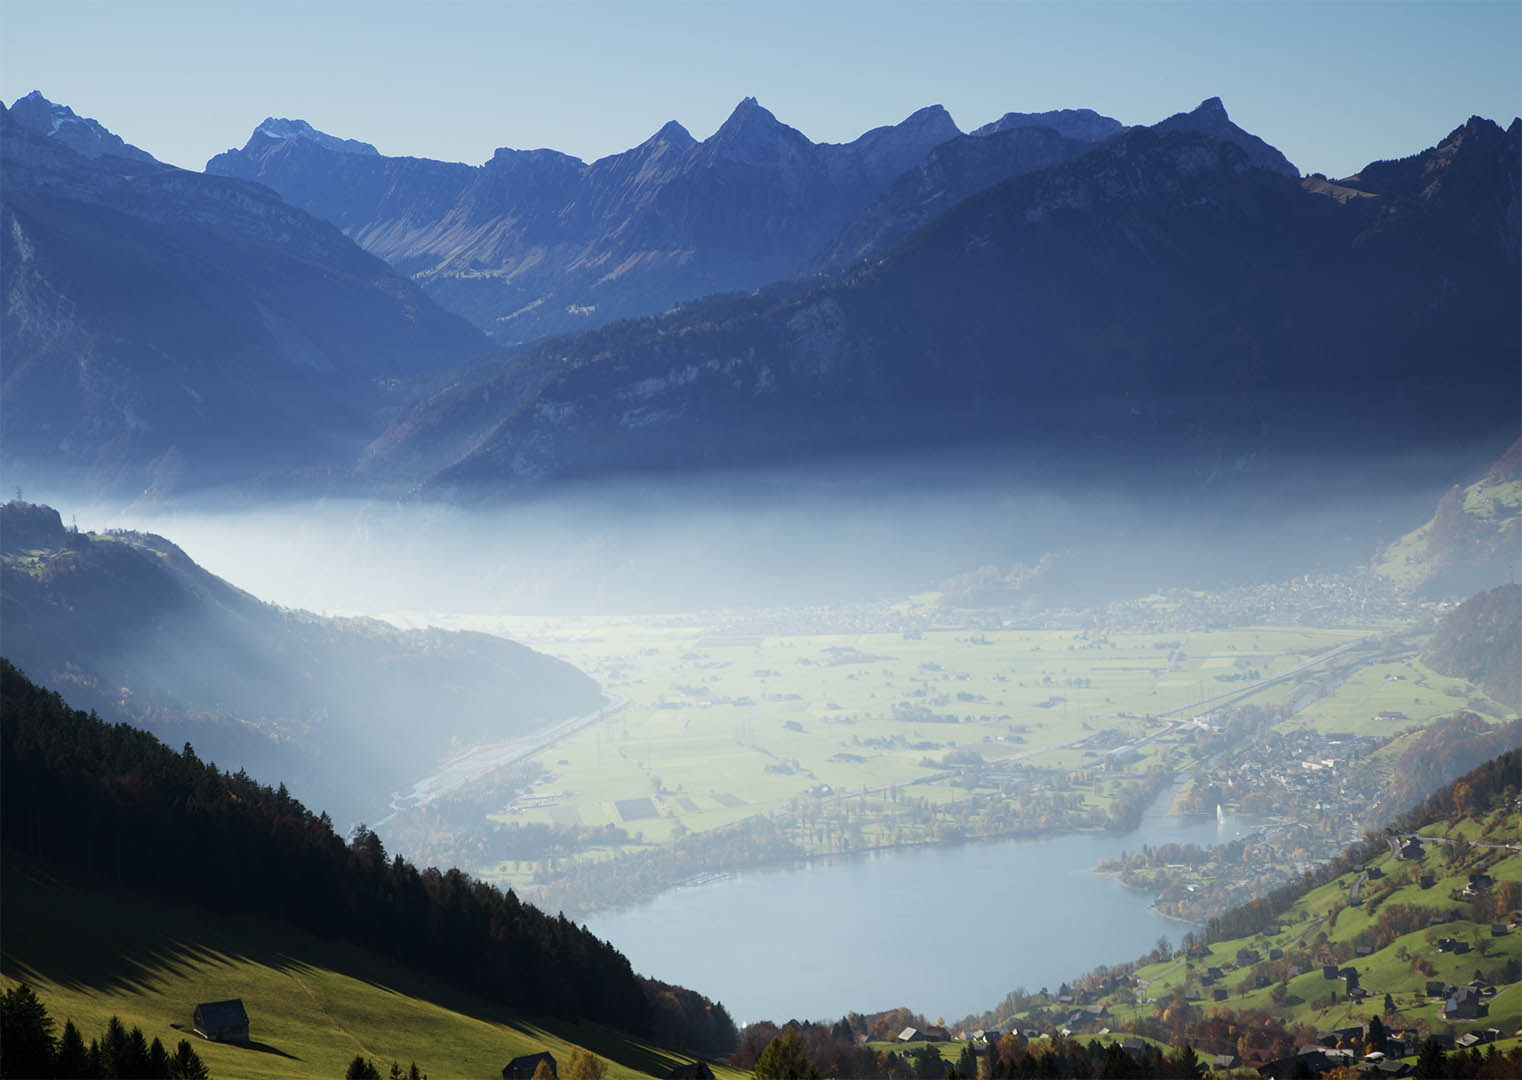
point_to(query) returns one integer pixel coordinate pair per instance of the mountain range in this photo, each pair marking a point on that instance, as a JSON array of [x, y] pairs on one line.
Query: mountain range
[[1159, 292], [537, 242], [165, 329], [1050, 281]]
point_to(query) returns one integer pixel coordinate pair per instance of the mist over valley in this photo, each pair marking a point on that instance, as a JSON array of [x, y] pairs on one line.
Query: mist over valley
[[978, 595]]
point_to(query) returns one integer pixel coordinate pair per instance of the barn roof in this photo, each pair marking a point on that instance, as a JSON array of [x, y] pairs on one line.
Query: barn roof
[[222, 1014]]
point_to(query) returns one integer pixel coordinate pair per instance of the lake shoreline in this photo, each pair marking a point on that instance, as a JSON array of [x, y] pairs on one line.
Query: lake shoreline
[[1035, 902], [533, 894]]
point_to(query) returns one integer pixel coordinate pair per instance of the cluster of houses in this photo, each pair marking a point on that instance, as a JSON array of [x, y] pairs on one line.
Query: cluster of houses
[[1335, 1050], [1342, 1048]]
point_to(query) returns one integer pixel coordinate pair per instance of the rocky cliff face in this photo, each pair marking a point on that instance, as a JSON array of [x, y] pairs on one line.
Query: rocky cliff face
[[536, 242], [84, 136], [1209, 118], [164, 328]]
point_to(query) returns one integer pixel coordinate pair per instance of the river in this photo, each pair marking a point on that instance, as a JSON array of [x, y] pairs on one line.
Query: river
[[947, 931]]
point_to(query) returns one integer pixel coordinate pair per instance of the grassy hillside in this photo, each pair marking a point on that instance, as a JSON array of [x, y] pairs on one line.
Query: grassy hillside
[[1473, 538], [1377, 917], [92, 949]]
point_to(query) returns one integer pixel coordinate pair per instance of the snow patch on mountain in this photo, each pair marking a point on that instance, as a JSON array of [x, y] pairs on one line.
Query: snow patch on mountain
[[278, 127]]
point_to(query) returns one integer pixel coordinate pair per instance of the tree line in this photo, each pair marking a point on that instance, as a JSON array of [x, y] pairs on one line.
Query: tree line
[[113, 799], [29, 1049], [810, 1050]]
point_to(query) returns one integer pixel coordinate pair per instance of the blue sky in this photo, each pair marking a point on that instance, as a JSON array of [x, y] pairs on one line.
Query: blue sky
[[1333, 85]]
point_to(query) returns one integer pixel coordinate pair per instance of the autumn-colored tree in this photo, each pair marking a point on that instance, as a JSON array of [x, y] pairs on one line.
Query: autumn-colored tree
[[544, 1070], [585, 1065]]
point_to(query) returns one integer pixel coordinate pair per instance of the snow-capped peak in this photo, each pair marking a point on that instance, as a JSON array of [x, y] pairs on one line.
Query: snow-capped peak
[[278, 128]]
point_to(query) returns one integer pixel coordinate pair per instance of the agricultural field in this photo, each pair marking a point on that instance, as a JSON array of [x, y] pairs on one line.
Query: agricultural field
[[1394, 694], [709, 726], [91, 950]]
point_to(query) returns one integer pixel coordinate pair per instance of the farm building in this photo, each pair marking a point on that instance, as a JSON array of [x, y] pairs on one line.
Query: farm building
[[221, 1021], [523, 1068], [1465, 1004]]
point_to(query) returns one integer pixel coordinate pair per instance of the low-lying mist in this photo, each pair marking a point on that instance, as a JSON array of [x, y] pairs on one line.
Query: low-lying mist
[[850, 533]]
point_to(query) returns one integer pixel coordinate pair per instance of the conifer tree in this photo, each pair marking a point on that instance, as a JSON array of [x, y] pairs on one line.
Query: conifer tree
[[186, 1063], [114, 1049], [158, 1058], [73, 1056], [786, 1058], [26, 1034], [1431, 1063]]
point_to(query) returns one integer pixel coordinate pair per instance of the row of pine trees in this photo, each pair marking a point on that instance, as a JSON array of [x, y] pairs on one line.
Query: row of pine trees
[[30, 1050]]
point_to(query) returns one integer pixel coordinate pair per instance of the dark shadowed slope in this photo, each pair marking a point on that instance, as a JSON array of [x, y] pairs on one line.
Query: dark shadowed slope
[[165, 329], [1158, 302], [950, 173]]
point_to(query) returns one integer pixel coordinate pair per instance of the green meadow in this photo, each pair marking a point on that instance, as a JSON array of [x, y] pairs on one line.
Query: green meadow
[[92, 950], [713, 726], [1402, 968]]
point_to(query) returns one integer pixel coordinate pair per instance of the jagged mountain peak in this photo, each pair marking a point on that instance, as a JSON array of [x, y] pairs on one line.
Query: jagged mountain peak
[[1474, 136], [931, 116], [753, 136], [887, 151], [1209, 118], [1476, 165], [79, 133], [1211, 108], [276, 128], [674, 133], [748, 116], [932, 121]]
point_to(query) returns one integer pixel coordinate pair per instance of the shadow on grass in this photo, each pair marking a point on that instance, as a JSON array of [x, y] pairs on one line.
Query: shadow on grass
[[149, 940], [615, 1046], [263, 1048]]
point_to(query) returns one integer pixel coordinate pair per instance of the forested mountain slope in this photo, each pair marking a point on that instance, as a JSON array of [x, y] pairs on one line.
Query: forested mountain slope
[[115, 803], [1481, 641], [344, 710]]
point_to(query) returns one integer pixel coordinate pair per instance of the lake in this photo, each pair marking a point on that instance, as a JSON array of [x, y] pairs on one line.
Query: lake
[[947, 931]]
